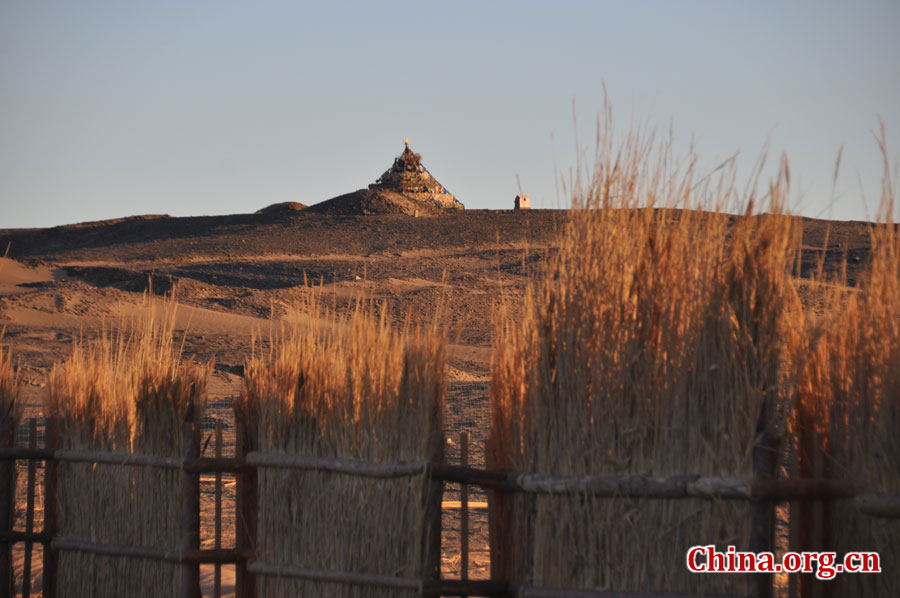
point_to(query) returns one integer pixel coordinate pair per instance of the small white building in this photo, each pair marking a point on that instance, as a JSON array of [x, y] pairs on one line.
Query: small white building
[[523, 202]]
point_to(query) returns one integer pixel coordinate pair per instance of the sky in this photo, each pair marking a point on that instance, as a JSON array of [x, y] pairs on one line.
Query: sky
[[111, 109]]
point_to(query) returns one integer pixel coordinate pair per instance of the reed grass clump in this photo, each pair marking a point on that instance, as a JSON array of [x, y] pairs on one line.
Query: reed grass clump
[[352, 387], [849, 411], [11, 405], [129, 392], [657, 342], [11, 409]]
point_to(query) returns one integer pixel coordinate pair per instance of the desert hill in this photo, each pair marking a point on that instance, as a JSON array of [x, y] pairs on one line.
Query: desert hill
[[236, 271], [280, 208], [71, 279], [250, 265]]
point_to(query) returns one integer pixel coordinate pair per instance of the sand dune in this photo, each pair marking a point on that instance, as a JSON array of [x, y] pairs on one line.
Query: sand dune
[[13, 275]]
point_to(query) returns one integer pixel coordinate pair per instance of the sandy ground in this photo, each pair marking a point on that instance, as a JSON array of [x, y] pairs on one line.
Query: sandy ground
[[237, 275]]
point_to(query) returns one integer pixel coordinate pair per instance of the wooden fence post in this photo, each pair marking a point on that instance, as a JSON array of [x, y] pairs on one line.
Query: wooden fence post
[[245, 513], [7, 504], [217, 578], [807, 515], [501, 516], [190, 511], [820, 588], [807, 530], [493, 537], [51, 435], [762, 526], [431, 547], [464, 510], [29, 510]]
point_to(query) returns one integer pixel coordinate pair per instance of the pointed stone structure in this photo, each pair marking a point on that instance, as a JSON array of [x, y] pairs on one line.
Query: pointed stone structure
[[410, 177]]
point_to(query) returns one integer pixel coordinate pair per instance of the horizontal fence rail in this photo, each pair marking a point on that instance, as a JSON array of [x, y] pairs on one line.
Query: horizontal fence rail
[[633, 486], [337, 465]]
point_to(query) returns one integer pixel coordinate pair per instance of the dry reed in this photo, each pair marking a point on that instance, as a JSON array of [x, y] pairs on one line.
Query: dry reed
[[11, 405], [11, 410], [345, 386], [849, 409], [656, 342], [124, 392]]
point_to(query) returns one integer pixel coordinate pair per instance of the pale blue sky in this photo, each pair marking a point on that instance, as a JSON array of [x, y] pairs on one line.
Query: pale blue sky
[[110, 109]]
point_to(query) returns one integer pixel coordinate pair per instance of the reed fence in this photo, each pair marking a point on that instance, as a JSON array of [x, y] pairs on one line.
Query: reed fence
[[245, 465]]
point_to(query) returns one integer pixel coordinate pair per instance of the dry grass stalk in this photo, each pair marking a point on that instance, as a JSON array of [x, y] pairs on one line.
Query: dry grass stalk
[[352, 387], [11, 410], [655, 343], [126, 392], [11, 405], [849, 397]]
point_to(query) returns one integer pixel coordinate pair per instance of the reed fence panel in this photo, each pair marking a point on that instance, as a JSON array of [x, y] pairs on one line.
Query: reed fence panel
[[7, 505], [502, 485]]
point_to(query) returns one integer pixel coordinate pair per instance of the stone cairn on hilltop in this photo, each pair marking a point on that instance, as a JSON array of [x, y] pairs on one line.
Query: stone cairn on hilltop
[[409, 177]]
